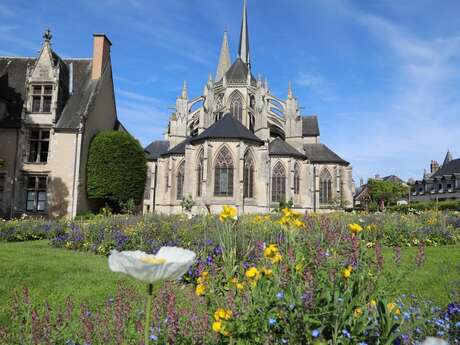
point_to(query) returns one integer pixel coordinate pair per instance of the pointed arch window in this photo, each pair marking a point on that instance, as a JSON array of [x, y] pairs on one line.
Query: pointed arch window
[[223, 174], [278, 183], [199, 174], [252, 122], [236, 106], [180, 181], [325, 187], [296, 179], [248, 176]]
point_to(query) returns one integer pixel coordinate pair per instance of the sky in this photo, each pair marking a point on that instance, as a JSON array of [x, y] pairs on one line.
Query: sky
[[382, 75]]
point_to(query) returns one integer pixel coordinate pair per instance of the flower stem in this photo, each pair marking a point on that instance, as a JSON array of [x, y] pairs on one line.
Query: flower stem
[[148, 312]]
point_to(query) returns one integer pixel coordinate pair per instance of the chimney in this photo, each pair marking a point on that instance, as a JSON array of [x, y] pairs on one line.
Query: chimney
[[101, 54], [434, 167]]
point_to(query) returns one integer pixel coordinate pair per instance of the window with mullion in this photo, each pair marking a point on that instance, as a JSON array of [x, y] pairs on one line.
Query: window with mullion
[[325, 187], [248, 177], [199, 174], [296, 179], [180, 181], [38, 145], [223, 174], [36, 198], [278, 183], [41, 98]]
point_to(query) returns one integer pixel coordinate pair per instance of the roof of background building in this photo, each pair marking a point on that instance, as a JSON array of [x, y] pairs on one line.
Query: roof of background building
[[179, 149], [320, 153], [71, 106], [310, 126], [156, 148], [227, 128], [453, 167], [278, 147]]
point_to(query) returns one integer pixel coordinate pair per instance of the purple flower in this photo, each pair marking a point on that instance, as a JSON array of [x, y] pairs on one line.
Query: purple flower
[[280, 295], [346, 334]]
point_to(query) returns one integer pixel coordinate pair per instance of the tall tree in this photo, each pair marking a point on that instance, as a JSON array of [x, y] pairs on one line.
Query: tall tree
[[386, 192]]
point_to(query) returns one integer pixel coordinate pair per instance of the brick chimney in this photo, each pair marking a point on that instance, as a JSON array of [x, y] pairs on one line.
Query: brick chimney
[[101, 54], [434, 167]]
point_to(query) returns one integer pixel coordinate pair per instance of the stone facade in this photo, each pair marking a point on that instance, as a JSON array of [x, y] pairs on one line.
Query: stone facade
[[50, 109], [272, 153]]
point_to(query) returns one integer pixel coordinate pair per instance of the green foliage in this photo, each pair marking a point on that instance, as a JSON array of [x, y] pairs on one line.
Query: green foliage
[[116, 168], [387, 191], [453, 205], [187, 203]]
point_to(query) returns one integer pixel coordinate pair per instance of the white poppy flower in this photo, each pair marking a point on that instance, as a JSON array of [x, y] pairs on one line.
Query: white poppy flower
[[168, 264]]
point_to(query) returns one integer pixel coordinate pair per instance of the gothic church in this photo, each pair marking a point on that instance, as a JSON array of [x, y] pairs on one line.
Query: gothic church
[[238, 144]]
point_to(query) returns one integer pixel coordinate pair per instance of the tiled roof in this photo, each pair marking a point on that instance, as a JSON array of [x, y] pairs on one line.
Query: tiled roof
[[227, 128], [320, 153], [156, 148], [453, 167], [278, 147], [310, 126]]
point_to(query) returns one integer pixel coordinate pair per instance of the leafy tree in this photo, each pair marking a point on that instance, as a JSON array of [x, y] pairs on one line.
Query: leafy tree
[[386, 192], [116, 169]]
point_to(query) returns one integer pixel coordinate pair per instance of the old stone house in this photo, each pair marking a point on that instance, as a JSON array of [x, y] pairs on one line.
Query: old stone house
[[238, 144], [50, 109]]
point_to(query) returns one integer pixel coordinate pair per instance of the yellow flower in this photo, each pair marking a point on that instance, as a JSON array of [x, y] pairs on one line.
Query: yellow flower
[[355, 228], [217, 326], [346, 272], [272, 253], [373, 303], [391, 307], [227, 212], [298, 223], [267, 272], [252, 273], [240, 286], [358, 312], [222, 314], [200, 290], [298, 267]]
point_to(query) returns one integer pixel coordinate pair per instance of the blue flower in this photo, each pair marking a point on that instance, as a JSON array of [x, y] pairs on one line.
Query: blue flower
[[362, 343], [457, 324], [315, 333], [291, 306], [346, 333], [406, 315], [153, 337], [280, 295], [284, 341], [271, 322]]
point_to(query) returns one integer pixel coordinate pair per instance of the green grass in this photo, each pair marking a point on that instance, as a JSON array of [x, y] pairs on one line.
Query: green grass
[[53, 274], [435, 280]]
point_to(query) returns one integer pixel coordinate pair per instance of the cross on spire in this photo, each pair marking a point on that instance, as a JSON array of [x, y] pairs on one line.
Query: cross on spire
[[47, 35]]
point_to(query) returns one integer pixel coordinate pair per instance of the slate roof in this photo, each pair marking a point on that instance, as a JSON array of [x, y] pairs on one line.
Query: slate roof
[[12, 89], [13, 81], [238, 72], [310, 126], [320, 153], [278, 147], [156, 148], [179, 149], [227, 128], [453, 167]]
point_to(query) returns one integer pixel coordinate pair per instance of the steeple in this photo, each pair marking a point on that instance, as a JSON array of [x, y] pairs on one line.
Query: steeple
[[224, 59], [184, 91], [290, 95], [243, 51], [448, 158]]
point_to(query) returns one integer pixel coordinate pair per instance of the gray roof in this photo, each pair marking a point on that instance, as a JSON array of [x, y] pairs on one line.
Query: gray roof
[[227, 128], [13, 72], [278, 147], [310, 126], [238, 72], [453, 167], [320, 153], [12, 89], [179, 149], [156, 148]]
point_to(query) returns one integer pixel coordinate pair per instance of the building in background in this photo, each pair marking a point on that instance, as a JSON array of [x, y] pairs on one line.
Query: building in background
[[362, 197], [50, 109], [238, 144], [441, 183]]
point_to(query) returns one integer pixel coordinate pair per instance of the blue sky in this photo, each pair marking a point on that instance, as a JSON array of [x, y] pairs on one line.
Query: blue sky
[[382, 75]]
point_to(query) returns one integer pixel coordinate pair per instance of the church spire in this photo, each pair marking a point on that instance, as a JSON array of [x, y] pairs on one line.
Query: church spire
[[290, 94], [184, 91], [224, 59], [448, 158], [243, 51]]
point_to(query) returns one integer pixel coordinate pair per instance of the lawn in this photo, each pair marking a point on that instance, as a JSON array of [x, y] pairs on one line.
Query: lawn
[[54, 274]]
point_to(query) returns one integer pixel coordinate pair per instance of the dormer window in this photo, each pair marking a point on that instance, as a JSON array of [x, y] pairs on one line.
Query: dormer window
[[41, 98]]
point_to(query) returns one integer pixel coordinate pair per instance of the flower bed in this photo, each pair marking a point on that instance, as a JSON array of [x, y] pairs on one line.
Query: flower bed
[[278, 279], [28, 229]]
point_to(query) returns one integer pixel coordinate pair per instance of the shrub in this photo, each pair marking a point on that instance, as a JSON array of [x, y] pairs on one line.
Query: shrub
[[116, 169]]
